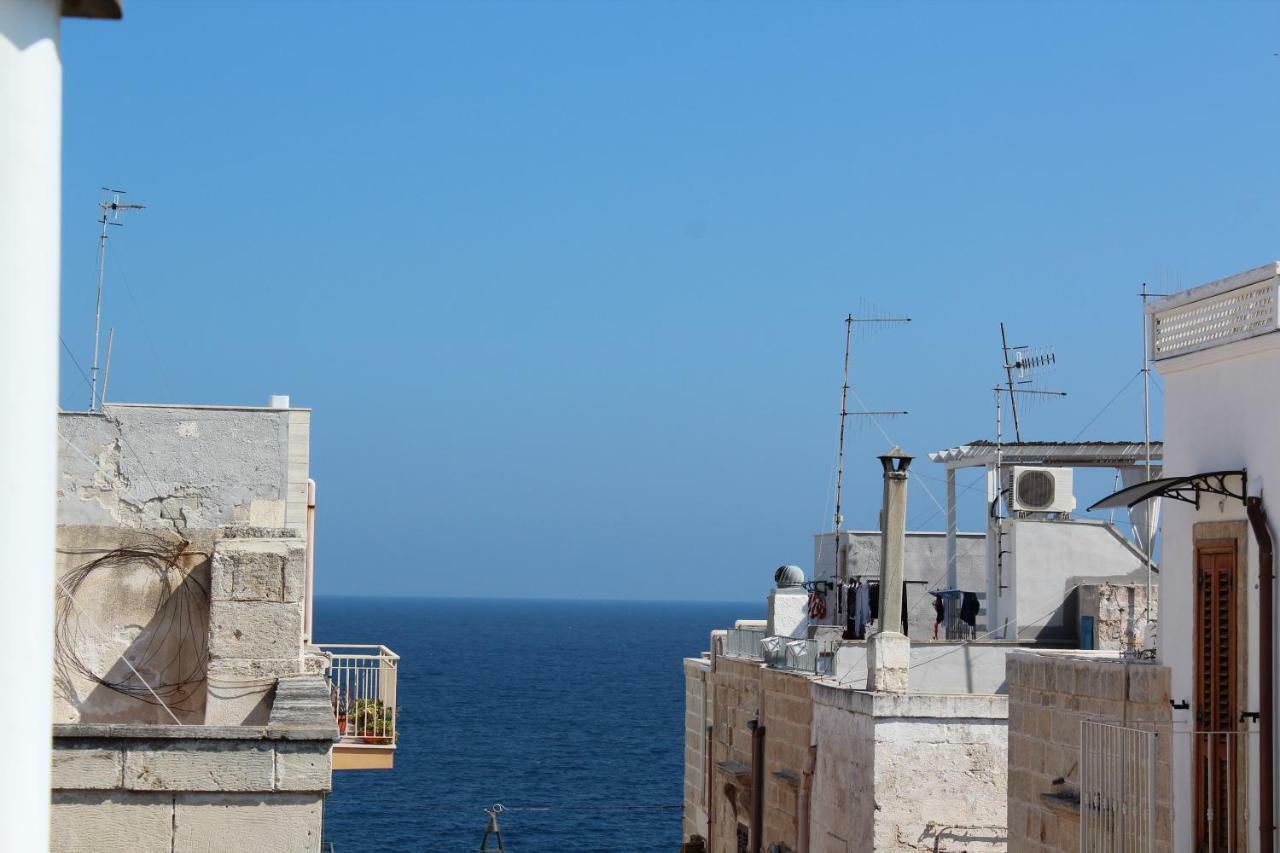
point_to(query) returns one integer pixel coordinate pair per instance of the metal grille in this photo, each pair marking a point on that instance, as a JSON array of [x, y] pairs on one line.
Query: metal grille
[[1231, 316], [801, 655], [1035, 488], [1117, 789], [744, 643]]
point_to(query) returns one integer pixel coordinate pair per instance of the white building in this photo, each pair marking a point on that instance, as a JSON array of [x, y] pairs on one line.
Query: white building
[[1218, 350]]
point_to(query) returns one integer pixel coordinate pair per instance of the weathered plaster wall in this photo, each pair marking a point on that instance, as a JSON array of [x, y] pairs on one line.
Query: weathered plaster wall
[[1049, 694], [201, 474], [1119, 613], [183, 467], [908, 772], [197, 788]]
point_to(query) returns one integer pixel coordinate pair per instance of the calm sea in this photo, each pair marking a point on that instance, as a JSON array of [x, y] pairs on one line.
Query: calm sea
[[571, 708]]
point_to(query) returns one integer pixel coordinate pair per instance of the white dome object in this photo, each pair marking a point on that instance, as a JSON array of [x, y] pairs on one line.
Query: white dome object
[[788, 576]]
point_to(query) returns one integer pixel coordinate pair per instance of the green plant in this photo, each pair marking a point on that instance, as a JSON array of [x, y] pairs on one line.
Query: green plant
[[371, 719]]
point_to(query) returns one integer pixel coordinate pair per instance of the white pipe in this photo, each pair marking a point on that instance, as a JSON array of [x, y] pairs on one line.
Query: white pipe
[[311, 556], [30, 172]]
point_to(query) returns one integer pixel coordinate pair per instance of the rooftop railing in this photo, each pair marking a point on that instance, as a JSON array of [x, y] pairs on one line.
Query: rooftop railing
[[362, 683], [799, 655], [744, 643]]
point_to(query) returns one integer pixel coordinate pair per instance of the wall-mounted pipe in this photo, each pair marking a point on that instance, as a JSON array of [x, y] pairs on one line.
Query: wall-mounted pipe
[[803, 806], [309, 590], [756, 838], [1266, 671]]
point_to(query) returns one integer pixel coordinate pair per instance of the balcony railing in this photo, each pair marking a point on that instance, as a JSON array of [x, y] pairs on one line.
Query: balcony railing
[[362, 682]]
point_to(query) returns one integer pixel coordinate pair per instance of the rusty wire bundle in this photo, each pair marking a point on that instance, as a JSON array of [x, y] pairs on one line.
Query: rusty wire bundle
[[172, 647]]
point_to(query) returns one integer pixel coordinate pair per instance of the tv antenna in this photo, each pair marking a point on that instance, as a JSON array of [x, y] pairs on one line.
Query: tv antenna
[[1021, 364], [849, 322], [493, 829], [111, 207]]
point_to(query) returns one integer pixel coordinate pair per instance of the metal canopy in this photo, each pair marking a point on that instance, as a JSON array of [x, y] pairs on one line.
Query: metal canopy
[[1186, 489], [1077, 454]]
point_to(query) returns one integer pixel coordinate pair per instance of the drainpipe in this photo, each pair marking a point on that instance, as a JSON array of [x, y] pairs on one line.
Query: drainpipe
[[756, 840], [1266, 670], [311, 556], [803, 807]]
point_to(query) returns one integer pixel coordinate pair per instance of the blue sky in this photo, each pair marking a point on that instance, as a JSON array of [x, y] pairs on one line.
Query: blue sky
[[564, 282]]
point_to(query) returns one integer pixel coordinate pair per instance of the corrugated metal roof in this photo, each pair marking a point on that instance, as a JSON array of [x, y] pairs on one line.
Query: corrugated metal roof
[[1104, 454]]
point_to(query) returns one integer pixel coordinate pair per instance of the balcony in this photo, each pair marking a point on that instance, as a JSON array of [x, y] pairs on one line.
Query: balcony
[[362, 686]]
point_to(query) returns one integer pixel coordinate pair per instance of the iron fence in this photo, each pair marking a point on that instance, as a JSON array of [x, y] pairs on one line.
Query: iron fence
[[362, 683]]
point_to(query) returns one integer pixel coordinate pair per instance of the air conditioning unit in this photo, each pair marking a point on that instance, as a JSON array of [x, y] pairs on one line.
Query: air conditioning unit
[[1036, 489]]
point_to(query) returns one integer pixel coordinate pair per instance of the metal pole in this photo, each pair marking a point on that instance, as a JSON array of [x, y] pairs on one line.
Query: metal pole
[[106, 374], [1148, 513], [97, 315], [1008, 372], [844, 399]]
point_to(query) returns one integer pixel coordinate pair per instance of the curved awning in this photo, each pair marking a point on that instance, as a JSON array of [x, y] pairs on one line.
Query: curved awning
[[1186, 489]]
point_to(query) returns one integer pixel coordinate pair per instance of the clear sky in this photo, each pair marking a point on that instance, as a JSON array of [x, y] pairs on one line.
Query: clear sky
[[564, 282]]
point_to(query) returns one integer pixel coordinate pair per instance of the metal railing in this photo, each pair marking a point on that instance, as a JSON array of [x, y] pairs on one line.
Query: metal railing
[[1117, 788], [1224, 317], [1219, 768], [362, 682], [799, 655], [744, 643]]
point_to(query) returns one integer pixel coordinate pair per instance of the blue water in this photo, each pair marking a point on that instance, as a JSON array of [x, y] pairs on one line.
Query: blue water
[[574, 706]]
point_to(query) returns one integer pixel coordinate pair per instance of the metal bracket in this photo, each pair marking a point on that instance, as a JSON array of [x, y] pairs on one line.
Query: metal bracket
[[1184, 705]]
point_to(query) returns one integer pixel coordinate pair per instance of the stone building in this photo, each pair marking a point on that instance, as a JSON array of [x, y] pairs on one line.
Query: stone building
[[801, 737], [192, 711]]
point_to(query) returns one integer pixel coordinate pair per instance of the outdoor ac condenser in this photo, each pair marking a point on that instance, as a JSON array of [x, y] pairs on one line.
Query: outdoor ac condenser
[[1036, 489]]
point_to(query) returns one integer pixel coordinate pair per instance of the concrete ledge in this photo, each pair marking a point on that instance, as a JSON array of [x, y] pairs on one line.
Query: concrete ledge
[[977, 706]]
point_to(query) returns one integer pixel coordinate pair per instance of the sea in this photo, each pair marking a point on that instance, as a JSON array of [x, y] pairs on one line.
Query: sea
[[568, 713]]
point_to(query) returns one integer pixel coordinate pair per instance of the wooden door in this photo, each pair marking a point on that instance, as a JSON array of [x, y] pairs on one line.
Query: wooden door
[[1218, 780]]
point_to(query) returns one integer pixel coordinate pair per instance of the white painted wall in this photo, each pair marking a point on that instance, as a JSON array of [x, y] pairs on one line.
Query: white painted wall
[[30, 173], [1222, 407], [1046, 560], [934, 668]]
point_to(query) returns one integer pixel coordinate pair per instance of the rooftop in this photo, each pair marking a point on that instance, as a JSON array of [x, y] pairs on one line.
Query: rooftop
[[1078, 454]]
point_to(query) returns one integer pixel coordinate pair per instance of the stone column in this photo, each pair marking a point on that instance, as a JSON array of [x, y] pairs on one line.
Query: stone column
[[889, 650]]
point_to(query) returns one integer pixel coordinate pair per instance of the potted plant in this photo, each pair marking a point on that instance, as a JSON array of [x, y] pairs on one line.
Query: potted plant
[[371, 721]]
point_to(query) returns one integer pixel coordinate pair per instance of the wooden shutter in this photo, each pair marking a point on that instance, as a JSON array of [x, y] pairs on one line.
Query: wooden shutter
[[1217, 782]]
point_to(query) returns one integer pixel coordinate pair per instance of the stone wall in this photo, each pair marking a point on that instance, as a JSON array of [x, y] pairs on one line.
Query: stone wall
[[908, 771], [1119, 613], [161, 789], [697, 715], [743, 691], [256, 590], [1049, 695]]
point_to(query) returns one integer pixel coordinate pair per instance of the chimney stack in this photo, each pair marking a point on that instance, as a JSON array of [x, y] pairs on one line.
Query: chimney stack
[[889, 650]]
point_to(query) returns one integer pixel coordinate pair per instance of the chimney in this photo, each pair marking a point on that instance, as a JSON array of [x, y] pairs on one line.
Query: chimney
[[889, 650]]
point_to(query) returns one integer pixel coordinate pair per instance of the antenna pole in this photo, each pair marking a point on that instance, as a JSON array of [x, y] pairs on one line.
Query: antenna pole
[[111, 210], [106, 374], [1008, 372], [844, 413], [97, 314], [1148, 534]]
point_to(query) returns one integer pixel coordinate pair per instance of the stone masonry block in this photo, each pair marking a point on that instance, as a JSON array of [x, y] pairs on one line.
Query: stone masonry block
[[232, 823], [87, 768], [255, 629], [204, 767], [302, 767], [111, 822]]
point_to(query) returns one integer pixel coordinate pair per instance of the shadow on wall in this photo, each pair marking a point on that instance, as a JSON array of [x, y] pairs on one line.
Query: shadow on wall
[[136, 596]]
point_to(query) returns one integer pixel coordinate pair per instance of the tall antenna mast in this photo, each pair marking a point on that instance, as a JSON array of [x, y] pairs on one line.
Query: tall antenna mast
[[844, 404], [1022, 362], [112, 207], [1148, 535]]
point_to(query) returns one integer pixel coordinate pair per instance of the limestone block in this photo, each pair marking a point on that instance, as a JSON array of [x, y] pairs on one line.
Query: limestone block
[[232, 823], [266, 513], [255, 629], [111, 822], [302, 767], [85, 769], [295, 572], [204, 767], [888, 659]]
